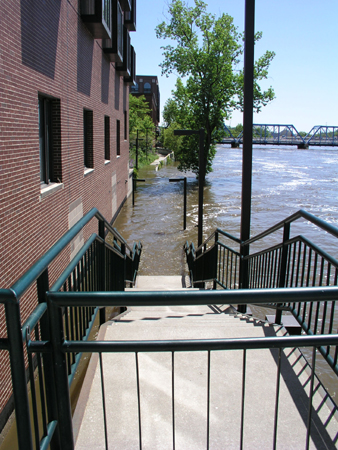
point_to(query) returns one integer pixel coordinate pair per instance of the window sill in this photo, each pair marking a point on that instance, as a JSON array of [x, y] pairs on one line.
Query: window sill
[[87, 171], [106, 161], [48, 189], [118, 156]]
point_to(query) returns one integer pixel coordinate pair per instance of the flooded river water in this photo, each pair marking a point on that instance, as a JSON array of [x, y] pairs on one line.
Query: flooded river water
[[284, 180]]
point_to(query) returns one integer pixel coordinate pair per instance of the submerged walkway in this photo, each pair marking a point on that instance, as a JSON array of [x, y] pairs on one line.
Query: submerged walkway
[[190, 386]]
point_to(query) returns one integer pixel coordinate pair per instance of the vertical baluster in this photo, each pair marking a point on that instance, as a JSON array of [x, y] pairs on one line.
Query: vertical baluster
[[318, 305], [304, 265], [227, 271], [273, 255], [208, 402], [294, 245], [254, 270], [260, 265], [41, 387], [33, 397], [236, 265], [103, 402], [309, 418], [223, 263], [173, 394], [287, 273], [268, 270], [264, 257], [328, 274], [231, 268], [314, 275], [277, 398], [138, 400], [243, 399], [257, 271], [309, 268], [298, 264]]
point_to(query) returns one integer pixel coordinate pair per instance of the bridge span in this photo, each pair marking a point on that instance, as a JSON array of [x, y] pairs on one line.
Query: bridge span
[[278, 134]]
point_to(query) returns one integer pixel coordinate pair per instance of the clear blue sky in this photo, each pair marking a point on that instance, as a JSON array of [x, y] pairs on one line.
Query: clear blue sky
[[304, 73]]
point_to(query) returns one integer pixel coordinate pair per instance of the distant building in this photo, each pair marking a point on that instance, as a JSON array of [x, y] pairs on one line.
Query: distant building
[[147, 85], [65, 71]]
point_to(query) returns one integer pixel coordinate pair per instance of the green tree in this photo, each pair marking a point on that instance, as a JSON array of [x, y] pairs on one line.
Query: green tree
[[139, 115], [207, 53], [141, 122]]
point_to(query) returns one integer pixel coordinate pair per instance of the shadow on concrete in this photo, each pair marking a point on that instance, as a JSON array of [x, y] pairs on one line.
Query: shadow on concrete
[[319, 434], [39, 35]]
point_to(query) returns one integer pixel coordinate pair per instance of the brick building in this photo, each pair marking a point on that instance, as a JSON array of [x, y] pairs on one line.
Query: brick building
[[147, 85], [65, 71]]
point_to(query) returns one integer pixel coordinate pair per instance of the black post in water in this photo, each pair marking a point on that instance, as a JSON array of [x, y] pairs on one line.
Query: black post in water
[[171, 180], [247, 138], [134, 186], [201, 180], [201, 176], [185, 205], [136, 151]]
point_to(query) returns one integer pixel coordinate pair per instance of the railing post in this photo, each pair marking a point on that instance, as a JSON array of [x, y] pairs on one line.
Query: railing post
[[243, 273], [102, 271], [282, 270], [43, 287], [123, 251], [60, 376], [19, 381], [216, 260]]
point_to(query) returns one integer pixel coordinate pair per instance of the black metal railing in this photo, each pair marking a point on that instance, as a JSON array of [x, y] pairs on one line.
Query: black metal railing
[[293, 262], [61, 348], [98, 266]]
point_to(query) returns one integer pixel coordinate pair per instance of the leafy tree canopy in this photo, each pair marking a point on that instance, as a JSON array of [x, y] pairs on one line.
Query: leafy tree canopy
[[139, 115], [206, 53]]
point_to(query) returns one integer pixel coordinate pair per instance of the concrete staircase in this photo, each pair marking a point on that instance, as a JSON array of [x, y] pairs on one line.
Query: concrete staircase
[[190, 385]]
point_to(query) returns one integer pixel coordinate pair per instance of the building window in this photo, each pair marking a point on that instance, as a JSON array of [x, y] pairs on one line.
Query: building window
[[50, 140], [88, 154], [118, 147], [134, 88], [147, 88], [125, 125], [107, 138]]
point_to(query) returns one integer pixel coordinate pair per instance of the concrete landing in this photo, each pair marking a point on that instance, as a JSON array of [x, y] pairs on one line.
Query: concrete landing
[[159, 283], [190, 388]]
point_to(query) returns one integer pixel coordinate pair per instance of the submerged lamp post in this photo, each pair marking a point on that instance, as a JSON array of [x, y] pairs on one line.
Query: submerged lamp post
[[137, 141], [201, 176], [171, 180]]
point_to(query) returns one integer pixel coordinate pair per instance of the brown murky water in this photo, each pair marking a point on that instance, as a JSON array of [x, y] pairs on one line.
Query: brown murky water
[[285, 180]]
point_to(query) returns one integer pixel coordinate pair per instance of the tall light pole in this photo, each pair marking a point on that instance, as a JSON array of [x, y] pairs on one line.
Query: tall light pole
[[249, 33]]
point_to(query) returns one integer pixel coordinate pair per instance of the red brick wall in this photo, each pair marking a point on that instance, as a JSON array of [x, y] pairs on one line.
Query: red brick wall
[[46, 49]]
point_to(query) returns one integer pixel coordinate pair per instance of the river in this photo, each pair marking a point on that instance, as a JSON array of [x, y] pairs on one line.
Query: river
[[284, 180]]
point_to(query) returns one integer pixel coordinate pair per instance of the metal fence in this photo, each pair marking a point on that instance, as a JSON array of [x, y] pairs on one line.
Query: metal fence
[[97, 266], [60, 300]]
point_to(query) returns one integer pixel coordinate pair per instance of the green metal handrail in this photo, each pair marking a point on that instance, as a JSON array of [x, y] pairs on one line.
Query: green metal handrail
[[95, 251]]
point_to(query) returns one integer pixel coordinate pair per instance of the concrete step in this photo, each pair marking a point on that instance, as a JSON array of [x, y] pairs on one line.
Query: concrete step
[[190, 388], [159, 283]]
